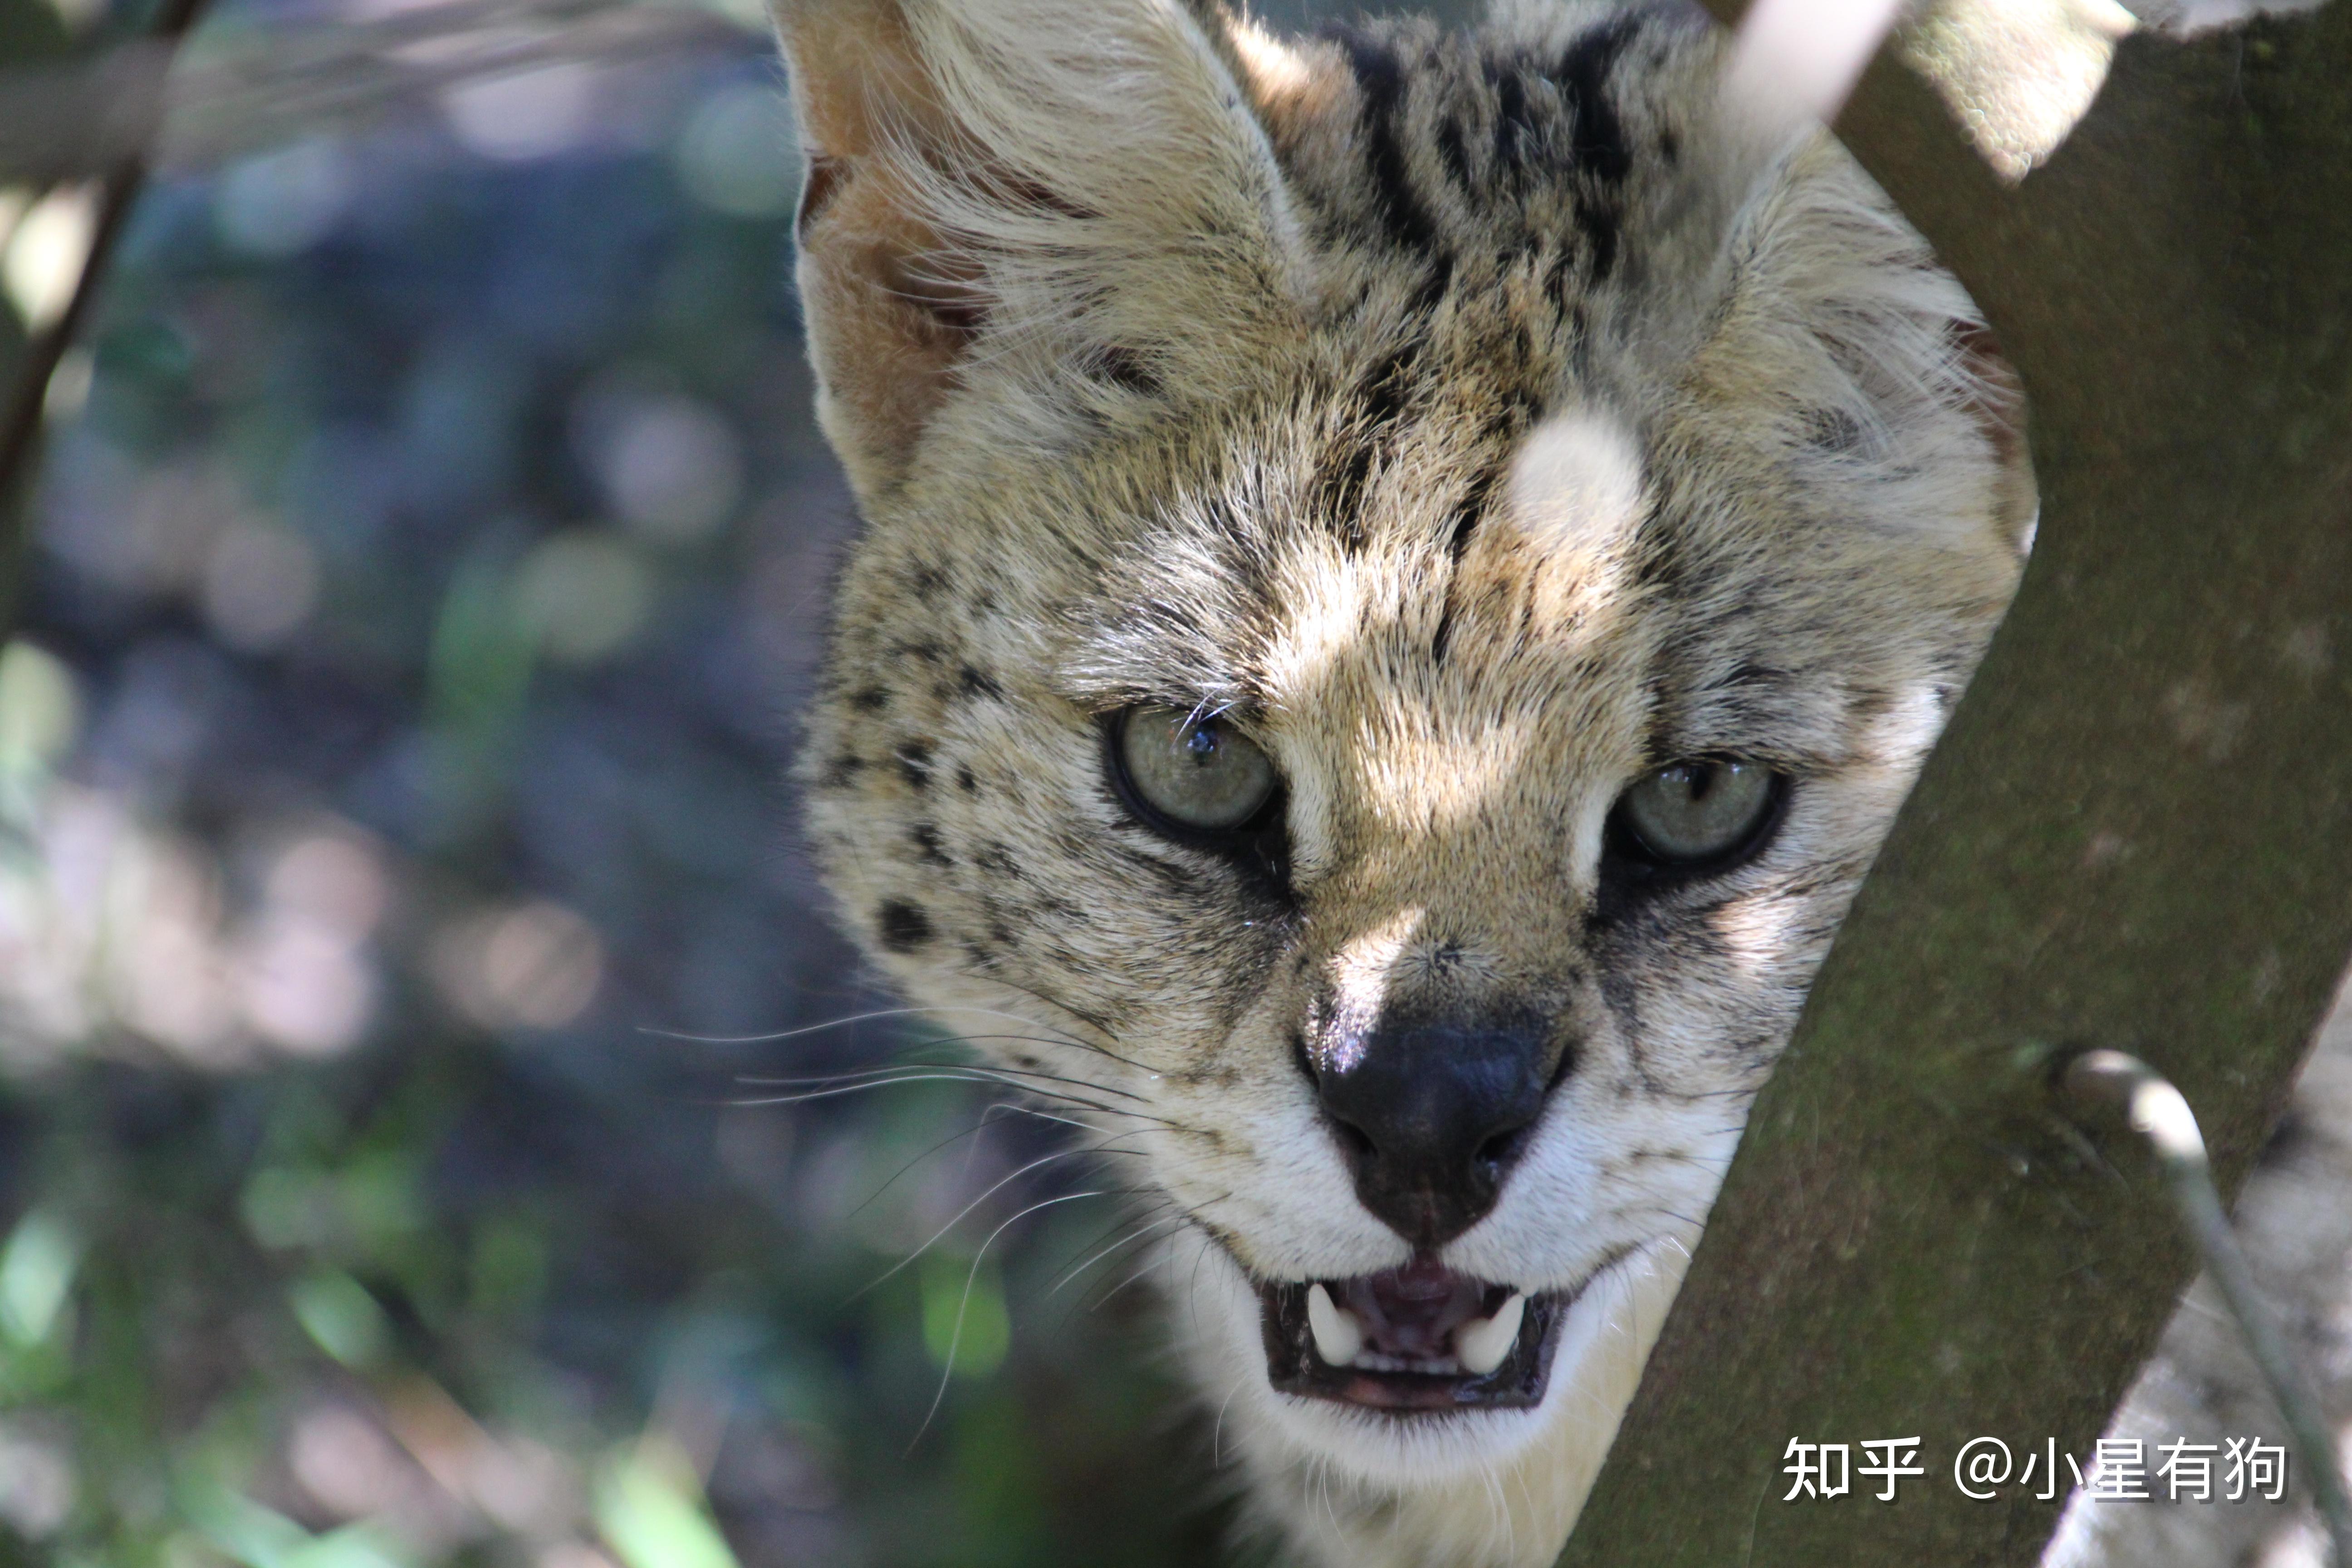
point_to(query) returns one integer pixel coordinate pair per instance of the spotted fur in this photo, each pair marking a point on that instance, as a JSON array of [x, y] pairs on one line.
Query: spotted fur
[[1479, 421]]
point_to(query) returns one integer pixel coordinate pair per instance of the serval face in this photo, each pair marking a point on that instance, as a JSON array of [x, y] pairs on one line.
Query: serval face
[[1405, 579]]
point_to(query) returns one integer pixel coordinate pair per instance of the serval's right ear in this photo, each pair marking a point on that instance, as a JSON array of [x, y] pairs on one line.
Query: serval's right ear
[[1073, 193], [884, 330]]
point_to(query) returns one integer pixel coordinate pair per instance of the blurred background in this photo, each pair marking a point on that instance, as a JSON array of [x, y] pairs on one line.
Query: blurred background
[[400, 897]]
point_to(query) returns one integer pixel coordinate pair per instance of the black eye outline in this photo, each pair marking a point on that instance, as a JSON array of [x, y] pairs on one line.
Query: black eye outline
[[1630, 863], [1260, 846]]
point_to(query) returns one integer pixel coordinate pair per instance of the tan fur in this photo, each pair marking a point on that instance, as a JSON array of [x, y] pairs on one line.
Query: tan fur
[[1479, 424]]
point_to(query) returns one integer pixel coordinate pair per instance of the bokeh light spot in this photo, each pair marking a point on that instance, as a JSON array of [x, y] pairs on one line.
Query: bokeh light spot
[[582, 595], [648, 1506], [39, 709], [738, 153], [260, 584], [669, 466], [36, 1273], [526, 115], [346, 1463], [283, 201], [535, 967], [42, 264], [965, 1326], [337, 1311], [37, 1485]]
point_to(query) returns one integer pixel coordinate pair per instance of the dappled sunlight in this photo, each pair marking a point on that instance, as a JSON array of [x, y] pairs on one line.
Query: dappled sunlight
[[1363, 972], [2016, 74], [110, 923], [42, 245]]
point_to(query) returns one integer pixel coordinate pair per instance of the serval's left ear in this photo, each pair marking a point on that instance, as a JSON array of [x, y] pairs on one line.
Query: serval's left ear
[[1069, 199]]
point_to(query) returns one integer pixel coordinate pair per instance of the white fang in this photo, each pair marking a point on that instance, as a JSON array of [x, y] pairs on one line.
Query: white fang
[[1481, 1344], [1338, 1335]]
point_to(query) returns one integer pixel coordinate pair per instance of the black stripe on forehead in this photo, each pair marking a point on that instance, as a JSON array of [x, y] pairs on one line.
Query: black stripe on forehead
[[1516, 133], [1381, 397], [1599, 143], [1381, 76]]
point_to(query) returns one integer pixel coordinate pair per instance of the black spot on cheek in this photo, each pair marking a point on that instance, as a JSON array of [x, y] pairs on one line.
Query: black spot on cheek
[[904, 928], [926, 837], [966, 781], [977, 682], [913, 761], [869, 700]]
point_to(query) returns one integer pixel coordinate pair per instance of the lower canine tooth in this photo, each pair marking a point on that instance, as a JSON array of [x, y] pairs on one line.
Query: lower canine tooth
[[1481, 1345], [1338, 1335]]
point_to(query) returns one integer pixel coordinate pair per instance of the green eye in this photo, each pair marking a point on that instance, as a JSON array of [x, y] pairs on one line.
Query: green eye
[[1198, 773], [1700, 811]]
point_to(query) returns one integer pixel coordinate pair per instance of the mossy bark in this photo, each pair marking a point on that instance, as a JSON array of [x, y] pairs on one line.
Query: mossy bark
[[2136, 832]]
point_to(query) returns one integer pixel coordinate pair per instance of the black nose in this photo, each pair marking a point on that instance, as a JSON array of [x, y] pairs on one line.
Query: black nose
[[1432, 1117]]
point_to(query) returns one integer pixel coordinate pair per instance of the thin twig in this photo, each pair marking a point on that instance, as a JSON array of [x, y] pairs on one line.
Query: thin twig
[[20, 433], [2159, 1113]]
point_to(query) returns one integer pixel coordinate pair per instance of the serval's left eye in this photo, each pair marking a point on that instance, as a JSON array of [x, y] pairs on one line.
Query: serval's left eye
[[1195, 773], [1699, 815]]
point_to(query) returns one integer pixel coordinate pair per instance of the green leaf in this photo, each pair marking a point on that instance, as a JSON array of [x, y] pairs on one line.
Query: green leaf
[[650, 1509]]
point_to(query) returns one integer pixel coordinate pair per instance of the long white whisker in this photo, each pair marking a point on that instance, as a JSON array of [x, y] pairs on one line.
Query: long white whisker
[[843, 1023], [895, 1270], [886, 1080], [955, 1339], [1124, 1241], [765, 1081]]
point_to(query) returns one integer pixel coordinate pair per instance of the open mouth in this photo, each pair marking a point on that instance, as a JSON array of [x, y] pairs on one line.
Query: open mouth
[[1417, 1338]]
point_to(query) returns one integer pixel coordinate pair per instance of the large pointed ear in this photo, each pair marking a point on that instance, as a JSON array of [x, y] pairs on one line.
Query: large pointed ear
[[1072, 191], [1881, 352]]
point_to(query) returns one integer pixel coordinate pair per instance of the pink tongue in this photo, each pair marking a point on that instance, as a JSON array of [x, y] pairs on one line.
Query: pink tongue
[[1413, 1311]]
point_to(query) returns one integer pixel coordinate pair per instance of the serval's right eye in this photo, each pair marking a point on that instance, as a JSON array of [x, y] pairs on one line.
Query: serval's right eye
[[1195, 774], [1699, 816]]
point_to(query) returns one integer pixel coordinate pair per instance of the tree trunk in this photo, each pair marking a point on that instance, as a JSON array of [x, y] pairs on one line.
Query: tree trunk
[[2136, 832]]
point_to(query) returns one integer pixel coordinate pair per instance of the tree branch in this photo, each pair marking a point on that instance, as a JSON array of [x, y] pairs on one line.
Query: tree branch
[[20, 423]]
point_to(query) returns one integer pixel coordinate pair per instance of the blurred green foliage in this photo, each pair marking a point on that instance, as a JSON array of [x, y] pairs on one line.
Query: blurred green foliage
[[399, 902]]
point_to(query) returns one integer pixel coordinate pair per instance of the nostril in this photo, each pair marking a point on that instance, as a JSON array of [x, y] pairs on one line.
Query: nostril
[[1503, 1149], [1354, 1141]]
